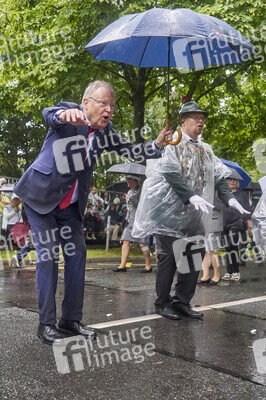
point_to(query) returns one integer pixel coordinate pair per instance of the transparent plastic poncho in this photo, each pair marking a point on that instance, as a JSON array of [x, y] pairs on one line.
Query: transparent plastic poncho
[[259, 223], [160, 209]]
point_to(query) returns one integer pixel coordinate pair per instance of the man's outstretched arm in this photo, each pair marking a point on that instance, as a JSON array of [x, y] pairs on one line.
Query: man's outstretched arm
[[61, 114]]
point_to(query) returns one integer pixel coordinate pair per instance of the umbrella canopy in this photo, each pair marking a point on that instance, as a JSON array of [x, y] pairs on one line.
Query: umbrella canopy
[[243, 174], [121, 187], [128, 168], [178, 38]]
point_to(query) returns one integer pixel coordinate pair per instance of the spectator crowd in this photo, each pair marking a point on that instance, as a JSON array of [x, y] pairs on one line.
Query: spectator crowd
[[97, 212], [233, 232]]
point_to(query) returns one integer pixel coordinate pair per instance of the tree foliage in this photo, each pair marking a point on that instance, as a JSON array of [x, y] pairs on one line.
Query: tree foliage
[[20, 142], [42, 61]]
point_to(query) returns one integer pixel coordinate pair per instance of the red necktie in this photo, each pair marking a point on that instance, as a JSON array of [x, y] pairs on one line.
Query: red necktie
[[67, 199]]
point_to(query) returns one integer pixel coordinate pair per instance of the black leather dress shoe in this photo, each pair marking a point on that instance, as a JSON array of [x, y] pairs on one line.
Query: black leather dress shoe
[[75, 328], [167, 312], [120, 269], [200, 282], [146, 271], [186, 310], [49, 334]]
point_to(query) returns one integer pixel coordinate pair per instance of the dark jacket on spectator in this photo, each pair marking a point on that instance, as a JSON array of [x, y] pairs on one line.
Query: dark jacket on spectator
[[113, 214], [233, 220]]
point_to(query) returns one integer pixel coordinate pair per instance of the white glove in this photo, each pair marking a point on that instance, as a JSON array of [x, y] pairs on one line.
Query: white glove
[[199, 202], [235, 204]]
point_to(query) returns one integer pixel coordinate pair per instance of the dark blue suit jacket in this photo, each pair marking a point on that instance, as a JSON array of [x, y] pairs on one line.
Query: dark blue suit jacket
[[52, 174]]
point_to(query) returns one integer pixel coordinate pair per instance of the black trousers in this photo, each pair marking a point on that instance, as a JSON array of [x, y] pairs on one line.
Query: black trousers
[[232, 252], [166, 268], [242, 247]]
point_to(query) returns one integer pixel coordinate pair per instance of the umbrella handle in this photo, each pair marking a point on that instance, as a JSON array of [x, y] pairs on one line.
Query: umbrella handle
[[175, 142]]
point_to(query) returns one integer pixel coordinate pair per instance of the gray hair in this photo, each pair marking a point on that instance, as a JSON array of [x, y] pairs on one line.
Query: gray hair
[[233, 179], [93, 86]]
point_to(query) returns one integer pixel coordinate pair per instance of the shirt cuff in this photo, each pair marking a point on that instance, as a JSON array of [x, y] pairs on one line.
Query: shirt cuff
[[154, 148], [56, 119]]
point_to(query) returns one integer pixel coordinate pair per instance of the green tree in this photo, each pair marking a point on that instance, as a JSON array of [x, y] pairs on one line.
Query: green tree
[[20, 142], [44, 61]]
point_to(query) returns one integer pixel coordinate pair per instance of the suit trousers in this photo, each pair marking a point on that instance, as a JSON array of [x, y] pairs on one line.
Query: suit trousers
[[166, 268], [50, 231]]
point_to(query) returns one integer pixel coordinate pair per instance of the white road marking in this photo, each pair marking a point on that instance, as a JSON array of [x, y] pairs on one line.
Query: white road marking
[[109, 324]]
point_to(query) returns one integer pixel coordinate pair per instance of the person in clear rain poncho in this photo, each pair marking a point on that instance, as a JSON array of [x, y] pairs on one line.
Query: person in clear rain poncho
[[174, 205], [259, 224]]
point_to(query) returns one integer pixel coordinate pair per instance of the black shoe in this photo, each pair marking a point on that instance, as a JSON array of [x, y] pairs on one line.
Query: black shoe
[[75, 328], [167, 312], [49, 334], [186, 310], [120, 269], [214, 282], [146, 271], [200, 282]]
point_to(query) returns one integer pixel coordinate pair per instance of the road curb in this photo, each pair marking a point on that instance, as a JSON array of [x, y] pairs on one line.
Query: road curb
[[7, 264]]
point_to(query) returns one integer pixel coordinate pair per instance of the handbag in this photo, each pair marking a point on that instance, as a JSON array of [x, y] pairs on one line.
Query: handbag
[[19, 233]]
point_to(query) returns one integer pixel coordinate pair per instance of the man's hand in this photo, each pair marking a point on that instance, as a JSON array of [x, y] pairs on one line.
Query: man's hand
[[73, 116], [199, 202], [165, 136], [235, 204]]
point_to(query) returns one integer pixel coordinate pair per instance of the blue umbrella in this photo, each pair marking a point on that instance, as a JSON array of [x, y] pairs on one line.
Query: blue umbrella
[[178, 38], [245, 178]]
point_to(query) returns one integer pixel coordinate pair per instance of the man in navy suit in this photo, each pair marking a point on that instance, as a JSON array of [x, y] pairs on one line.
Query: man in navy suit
[[54, 191]]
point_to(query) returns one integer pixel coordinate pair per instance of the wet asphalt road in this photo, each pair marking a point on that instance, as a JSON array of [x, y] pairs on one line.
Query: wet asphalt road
[[138, 355]]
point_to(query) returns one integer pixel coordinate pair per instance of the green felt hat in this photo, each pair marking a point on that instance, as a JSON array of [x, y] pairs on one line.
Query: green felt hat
[[191, 106]]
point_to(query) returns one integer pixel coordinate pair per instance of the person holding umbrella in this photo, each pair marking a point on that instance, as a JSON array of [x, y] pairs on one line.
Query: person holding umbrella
[[174, 205], [133, 196], [213, 244], [236, 227], [54, 190]]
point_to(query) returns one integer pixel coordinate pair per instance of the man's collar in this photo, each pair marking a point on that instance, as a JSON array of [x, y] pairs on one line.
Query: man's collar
[[188, 138], [86, 119]]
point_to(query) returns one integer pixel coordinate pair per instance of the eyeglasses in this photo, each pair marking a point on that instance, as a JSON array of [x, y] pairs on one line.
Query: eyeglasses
[[103, 104], [197, 117]]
